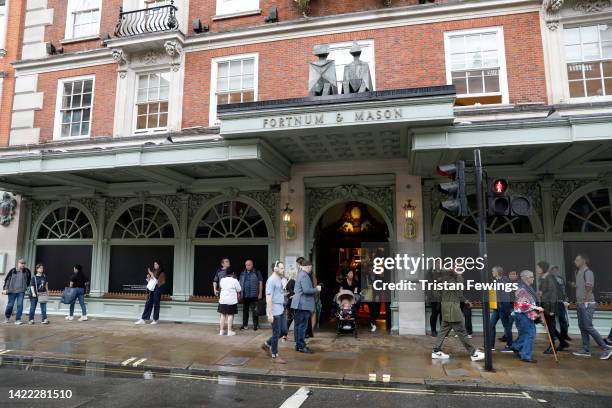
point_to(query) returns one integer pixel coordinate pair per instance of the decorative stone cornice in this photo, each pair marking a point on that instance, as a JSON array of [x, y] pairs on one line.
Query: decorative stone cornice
[[175, 51], [552, 9], [121, 58]]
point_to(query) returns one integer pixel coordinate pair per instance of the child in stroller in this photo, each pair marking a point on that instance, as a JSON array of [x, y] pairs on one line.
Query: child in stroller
[[346, 313]]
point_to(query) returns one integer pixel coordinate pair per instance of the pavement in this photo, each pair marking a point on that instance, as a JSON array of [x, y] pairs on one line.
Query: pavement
[[105, 344]]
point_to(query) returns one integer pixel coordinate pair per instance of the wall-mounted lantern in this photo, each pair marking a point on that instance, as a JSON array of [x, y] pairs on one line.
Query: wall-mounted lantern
[[409, 222], [290, 227]]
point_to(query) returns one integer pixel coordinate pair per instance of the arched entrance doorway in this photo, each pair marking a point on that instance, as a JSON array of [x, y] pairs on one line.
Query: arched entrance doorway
[[340, 234]]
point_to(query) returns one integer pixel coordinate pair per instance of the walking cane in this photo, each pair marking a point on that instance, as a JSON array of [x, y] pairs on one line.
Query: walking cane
[[552, 344]]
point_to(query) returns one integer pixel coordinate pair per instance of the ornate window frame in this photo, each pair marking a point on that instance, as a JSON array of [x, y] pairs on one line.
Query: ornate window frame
[[51, 209], [160, 207], [556, 15], [565, 208]]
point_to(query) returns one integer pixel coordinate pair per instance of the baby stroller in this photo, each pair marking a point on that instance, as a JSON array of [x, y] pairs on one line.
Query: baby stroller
[[347, 313]]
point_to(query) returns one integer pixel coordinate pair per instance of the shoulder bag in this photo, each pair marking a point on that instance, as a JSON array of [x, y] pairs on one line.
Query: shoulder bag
[[42, 297]]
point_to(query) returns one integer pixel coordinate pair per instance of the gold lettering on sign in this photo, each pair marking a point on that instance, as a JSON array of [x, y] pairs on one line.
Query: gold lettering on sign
[[310, 119]]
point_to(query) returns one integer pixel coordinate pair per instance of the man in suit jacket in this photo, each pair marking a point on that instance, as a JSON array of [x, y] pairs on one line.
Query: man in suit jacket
[[303, 303]]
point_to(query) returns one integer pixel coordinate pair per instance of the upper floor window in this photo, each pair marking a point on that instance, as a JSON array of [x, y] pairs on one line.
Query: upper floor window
[[74, 107], [588, 54], [83, 18], [234, 80], [340, 53], [476, 65], [152, 101], [236, 6]]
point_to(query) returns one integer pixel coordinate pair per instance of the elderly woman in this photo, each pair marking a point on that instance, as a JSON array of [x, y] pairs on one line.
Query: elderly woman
[[526, 311]]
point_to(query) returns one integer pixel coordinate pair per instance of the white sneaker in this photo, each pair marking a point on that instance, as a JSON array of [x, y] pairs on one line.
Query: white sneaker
[[221, 332], [438, 355], [140, 321], [477, 356], [70, 318], [18, 322], [83, 319], [31, 322], [46, 321], [6, 320], [231, 333], [469, 336], [372, 327], [154, 322]]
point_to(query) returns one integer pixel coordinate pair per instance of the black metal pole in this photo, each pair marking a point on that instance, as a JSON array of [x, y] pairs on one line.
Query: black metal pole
[[484, 275]]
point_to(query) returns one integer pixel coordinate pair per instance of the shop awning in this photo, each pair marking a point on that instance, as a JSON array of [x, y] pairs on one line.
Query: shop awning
[[170, 164]]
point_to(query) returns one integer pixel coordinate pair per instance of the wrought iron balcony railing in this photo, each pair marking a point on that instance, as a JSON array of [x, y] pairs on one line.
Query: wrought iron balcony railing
[[144, 21]]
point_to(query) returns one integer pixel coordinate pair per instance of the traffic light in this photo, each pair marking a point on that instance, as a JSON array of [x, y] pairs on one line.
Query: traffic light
[[520, 206], [503, 202], [457, 205], [499, 199]]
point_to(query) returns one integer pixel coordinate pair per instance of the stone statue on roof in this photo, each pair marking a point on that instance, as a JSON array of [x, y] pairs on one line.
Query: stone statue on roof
[[357, 76], [322, 74]]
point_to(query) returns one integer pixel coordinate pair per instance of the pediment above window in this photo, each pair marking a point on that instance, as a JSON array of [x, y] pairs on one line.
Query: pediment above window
[[555, 10]]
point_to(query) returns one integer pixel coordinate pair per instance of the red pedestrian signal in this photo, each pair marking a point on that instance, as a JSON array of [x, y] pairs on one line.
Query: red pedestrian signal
[[500, 186], [499, 199]]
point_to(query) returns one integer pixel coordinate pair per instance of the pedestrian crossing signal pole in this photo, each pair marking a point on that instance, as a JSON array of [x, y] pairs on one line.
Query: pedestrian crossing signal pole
[[484, 276]]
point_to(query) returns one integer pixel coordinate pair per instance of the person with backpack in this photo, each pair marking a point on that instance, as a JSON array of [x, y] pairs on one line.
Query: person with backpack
[[550, 296], [78, 280], [39, 294], [585, 309], [15, 284]]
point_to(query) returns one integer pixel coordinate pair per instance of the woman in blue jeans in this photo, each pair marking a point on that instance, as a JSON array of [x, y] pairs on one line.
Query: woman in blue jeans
[[153, 303], [78, 280], [39, 285], [526, 311]]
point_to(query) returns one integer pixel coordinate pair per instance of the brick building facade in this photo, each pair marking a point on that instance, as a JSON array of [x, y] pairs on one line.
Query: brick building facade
[[127, 106]]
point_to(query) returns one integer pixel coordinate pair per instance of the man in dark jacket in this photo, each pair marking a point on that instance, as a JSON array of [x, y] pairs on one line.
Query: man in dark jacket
[[251, 283], [452, 318], [220, 274], [304, 304], [15, 284]]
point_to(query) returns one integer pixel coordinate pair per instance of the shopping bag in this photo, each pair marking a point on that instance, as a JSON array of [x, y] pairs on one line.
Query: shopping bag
[[69, 295], [152, 284]]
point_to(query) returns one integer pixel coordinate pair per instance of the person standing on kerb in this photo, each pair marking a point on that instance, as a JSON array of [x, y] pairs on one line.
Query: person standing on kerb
[[453, 319], [15, 284]]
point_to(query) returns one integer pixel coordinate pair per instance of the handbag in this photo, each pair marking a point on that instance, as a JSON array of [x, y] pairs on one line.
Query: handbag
[[69, 295], [152, 284], [42, 297]]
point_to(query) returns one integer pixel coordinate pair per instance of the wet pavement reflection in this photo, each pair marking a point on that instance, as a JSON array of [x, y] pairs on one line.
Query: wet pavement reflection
[[116, 348]]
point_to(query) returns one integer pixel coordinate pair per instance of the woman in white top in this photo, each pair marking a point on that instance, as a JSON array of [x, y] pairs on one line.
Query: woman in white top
[[228, 302]]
